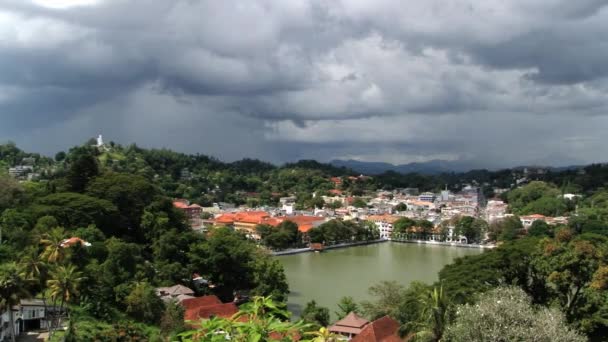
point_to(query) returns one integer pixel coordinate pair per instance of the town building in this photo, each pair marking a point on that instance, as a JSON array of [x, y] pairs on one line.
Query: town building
[[247, 221], [384, 224], [193, 212], [495, 210], [427, 197]]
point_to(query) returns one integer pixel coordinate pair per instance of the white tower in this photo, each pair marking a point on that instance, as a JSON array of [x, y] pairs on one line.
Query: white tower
[[99, 141]]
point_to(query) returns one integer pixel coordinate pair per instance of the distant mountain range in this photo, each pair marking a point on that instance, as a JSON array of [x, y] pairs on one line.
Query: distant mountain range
[[431, 167]]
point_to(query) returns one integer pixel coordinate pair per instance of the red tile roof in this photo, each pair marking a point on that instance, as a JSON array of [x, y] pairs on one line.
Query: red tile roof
[[200, 302], [254, 217], [180, 204], [305, 223], [384, 329], [335, 192], [73, 241]]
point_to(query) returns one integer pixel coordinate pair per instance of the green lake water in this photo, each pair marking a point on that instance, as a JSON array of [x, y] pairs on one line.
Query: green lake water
[[330, 275]]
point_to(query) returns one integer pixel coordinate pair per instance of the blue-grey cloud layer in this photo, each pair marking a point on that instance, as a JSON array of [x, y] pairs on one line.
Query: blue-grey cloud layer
[[498, 82]]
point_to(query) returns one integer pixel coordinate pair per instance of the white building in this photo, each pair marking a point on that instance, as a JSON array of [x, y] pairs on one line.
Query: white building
[[29, 315], [427, 197], [384, 224]]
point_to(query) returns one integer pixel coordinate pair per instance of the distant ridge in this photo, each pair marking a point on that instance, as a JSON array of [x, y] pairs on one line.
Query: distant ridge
[[432, 167]]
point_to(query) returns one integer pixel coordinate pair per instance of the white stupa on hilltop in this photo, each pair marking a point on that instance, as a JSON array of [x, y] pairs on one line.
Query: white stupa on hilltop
[[100, 141]]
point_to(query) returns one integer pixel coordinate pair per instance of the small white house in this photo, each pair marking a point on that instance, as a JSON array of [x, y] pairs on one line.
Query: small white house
[[30, 314]]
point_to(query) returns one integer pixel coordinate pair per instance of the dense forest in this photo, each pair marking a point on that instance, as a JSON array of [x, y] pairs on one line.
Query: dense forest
[[118, 200]]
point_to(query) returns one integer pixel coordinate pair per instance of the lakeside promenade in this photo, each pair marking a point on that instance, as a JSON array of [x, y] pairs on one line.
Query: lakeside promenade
[[340, 245], [362, 243], [449, 244]]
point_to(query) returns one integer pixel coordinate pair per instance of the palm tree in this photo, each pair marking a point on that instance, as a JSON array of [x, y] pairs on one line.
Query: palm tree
[[64, 285], [34, 270], [433, 317], [33, 267], [53, 250], [12, 290]]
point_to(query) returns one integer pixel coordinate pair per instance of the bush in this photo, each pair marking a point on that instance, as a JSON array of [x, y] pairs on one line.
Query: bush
[[506, 314]]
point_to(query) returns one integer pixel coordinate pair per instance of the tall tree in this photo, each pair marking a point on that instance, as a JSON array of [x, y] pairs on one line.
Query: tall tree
[[143, 304], [83, 168]]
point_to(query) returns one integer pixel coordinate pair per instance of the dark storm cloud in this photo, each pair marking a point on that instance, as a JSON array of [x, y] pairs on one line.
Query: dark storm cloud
[[280, 80]]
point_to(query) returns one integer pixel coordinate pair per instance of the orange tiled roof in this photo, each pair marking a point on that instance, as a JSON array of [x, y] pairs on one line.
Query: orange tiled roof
[[382, 218], [305, 223], [254, 217], [335, 192]]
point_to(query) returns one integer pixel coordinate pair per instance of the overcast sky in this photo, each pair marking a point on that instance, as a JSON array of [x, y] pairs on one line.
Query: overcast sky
[[495, 82]]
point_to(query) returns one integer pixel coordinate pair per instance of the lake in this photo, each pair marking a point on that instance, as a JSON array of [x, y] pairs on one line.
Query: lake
[[330, 275]]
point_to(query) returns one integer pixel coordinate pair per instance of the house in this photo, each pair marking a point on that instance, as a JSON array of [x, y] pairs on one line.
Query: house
[[336, 180], [175, 292], [30, 314], [74, 241], [527, 220], [384, 329], [349, 326]]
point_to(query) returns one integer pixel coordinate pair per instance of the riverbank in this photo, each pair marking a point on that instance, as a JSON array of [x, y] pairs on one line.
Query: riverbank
[[449, 244], [340, 245]]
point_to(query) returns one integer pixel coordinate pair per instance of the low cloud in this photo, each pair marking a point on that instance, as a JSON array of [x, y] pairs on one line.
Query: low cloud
[[498, 83]]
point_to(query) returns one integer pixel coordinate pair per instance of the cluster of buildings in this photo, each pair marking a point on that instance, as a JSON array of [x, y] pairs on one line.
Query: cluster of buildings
[[383, 208], [25, 170]]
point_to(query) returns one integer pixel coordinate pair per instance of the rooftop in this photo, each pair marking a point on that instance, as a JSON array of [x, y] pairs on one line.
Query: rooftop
[[384, 329], [351, 324]]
